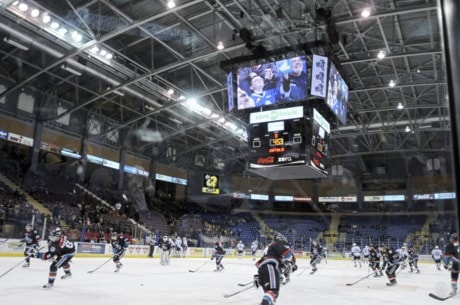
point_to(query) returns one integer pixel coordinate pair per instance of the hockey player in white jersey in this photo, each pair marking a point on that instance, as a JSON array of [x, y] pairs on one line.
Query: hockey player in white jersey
[[254, 247], [366, 254], [240, 249], [356, 255], [437, 256]]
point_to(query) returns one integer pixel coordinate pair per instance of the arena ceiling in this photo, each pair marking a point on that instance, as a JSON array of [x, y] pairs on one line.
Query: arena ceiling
[[156, 48]]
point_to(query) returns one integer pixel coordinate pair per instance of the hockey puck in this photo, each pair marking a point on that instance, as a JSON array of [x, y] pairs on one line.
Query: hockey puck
[[141, 284]]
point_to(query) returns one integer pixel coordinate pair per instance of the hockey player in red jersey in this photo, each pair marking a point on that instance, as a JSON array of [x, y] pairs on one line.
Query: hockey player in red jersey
[[452, 261], [394, 260], [218, 254], [374, 261], [268, 276], [31, 239], [119, 246], [60, 251]]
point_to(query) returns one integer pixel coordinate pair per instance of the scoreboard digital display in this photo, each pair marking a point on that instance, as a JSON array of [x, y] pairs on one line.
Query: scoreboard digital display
[[277, 143]]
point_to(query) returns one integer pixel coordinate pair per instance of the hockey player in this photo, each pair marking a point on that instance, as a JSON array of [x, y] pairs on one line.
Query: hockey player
[[437, 256], [178, 245], [403, 254], [394, 260], [165, 247], [60, 251], [316, 254], [254, 247], [374, 261], [240, 249], [356, 254], [366, 254], [184, 246], [218, 254], [452, 261], [268, 276], [384, 255], [413, 259], [151, 242], [119, 246], [31, 239]]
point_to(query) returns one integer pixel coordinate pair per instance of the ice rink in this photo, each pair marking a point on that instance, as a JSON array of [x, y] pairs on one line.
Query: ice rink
[[145, 281]]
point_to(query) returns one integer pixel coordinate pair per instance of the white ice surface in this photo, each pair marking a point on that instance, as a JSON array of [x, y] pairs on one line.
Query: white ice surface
[[144, 281]]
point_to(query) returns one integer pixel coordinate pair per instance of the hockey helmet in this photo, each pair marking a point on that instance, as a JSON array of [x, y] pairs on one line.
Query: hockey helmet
[[29, 227], [280, 237], [165, 238], [114, 236], [55, 234], [436, 247], [454, 237]]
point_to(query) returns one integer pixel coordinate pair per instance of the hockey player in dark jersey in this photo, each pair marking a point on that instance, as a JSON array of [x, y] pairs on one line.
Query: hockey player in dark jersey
[[119, 246], [268, 276], [60, 251], [394, 260], [374, 260], [452, 261], [316, 254], [165, 247], [31, 239], [413, 259], [219, 254]]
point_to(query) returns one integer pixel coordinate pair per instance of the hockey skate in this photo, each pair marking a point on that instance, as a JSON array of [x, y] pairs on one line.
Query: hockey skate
[[453, 292], [26, 265], [48, 286], [118, 268], [313, 271], [66, 276], [392, 283]]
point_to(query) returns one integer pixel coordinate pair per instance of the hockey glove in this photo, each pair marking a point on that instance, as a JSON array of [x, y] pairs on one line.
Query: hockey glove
[[212, 257], [32, 253], [256, 280], [294, 268]]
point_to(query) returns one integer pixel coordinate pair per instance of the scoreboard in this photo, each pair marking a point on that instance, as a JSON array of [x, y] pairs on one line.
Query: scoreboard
[[284, 144]]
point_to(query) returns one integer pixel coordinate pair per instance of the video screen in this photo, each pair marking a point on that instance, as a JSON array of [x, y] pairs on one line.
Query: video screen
[[231, 101], [272, 83], [337, 94], [319, 150]]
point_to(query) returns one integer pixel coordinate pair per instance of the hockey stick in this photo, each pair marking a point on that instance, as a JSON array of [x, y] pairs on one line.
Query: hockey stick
[[363, 278], [7, 271], [438, 297], [97, 268], [15, 266], [4, 241], [314, 262], [245, 284], [238, 291], [200, 267]]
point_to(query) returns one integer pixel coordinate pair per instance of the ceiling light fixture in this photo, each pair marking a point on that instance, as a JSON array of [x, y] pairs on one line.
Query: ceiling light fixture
[[366, 12], [171, 4], [381, 54], [70, 69], [118, 93], [15, 43], [220, 45], [392, 83], [407, 129], [400, 106]]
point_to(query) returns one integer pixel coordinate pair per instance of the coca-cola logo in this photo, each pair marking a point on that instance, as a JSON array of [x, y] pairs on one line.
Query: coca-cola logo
[[267, 160]]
